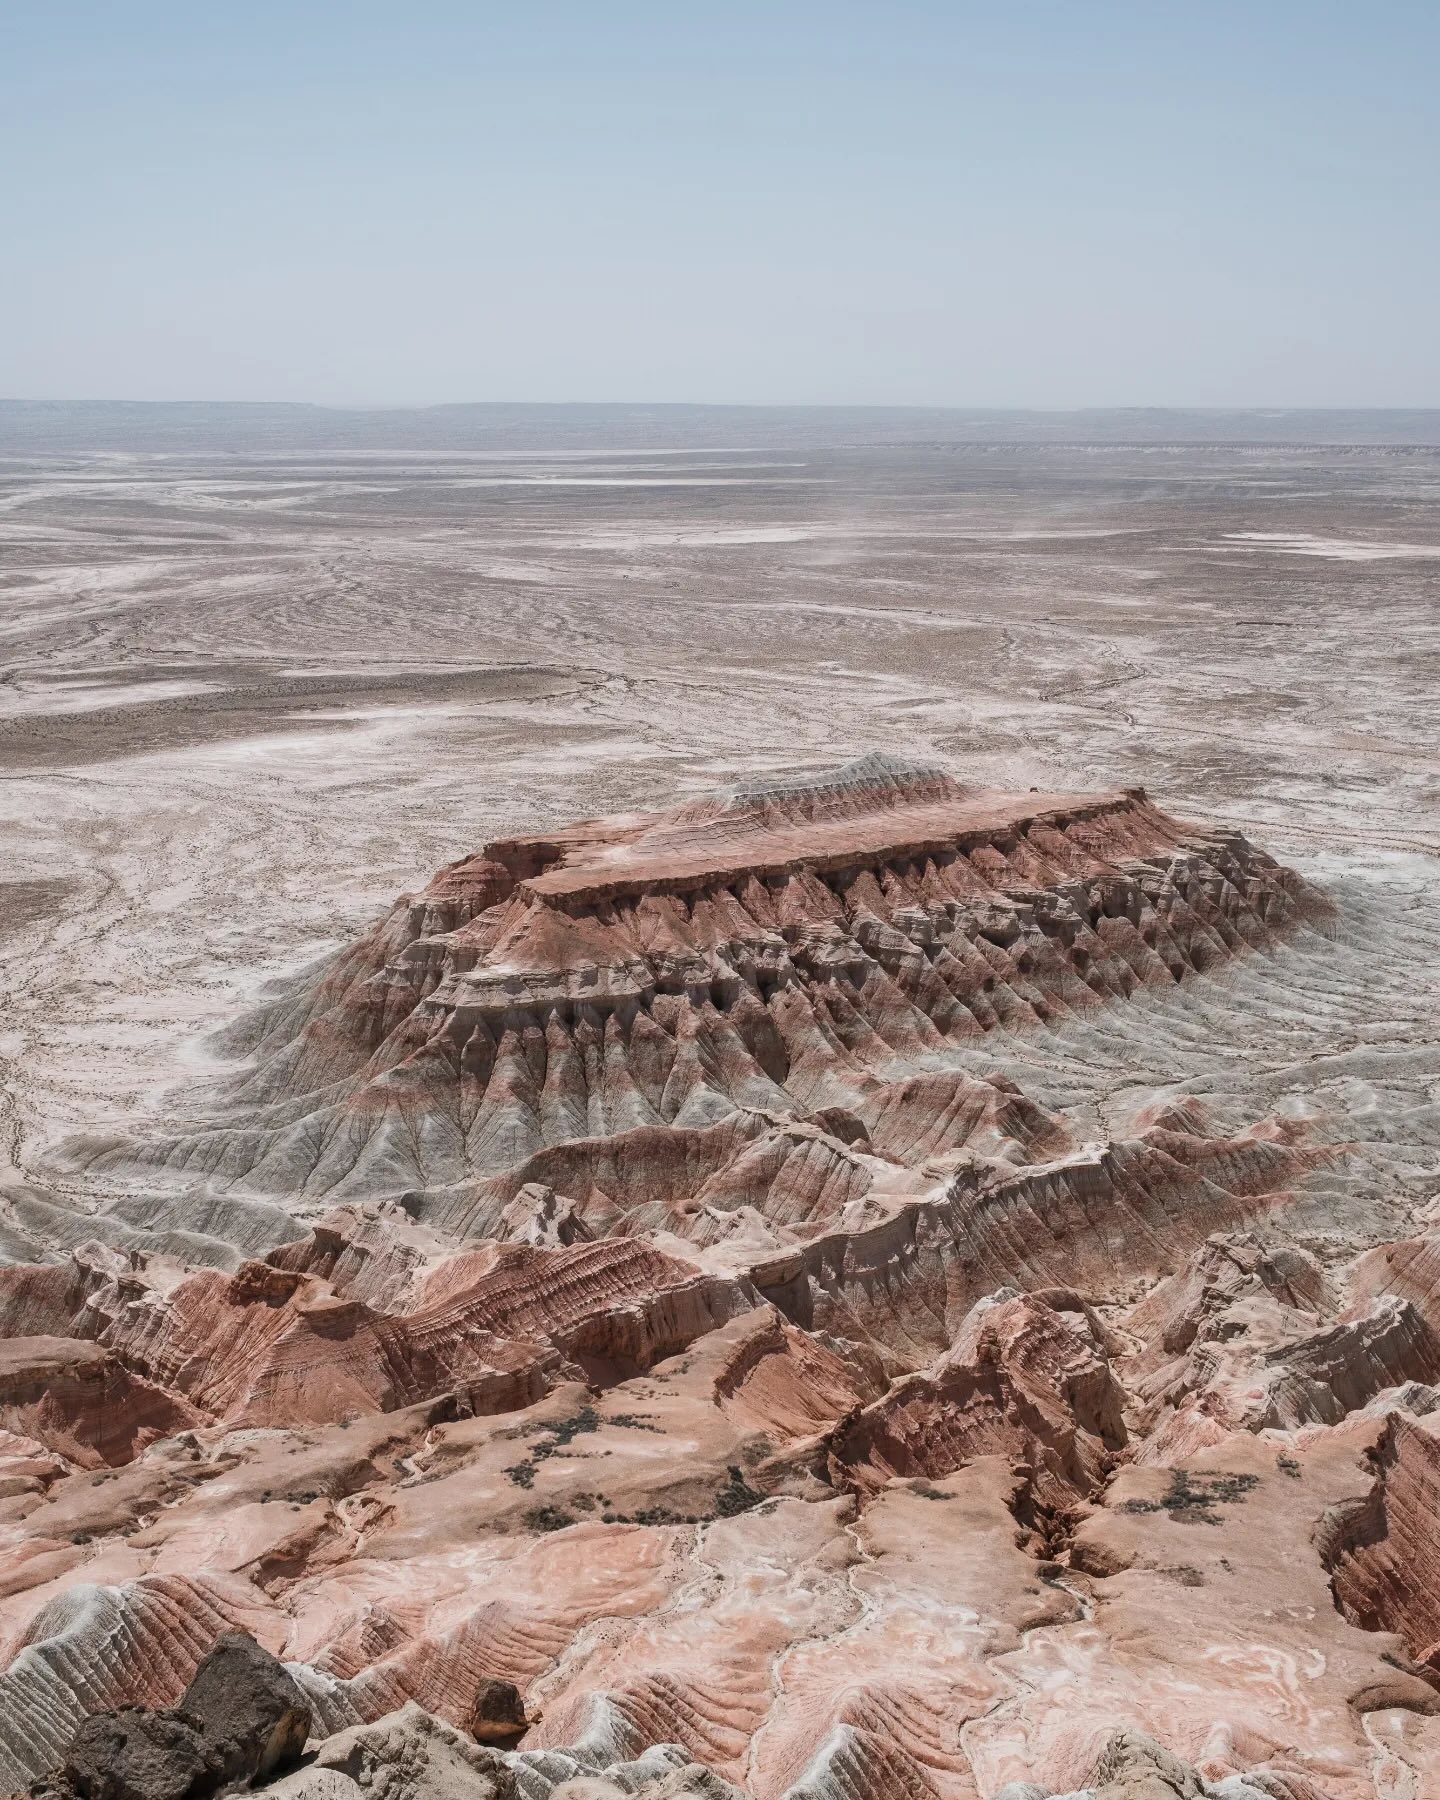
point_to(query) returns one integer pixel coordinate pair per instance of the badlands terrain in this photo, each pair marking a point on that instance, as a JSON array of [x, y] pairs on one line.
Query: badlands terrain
[[719, 1104]]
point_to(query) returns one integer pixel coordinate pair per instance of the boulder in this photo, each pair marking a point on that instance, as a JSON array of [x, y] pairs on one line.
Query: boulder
[[252, 1717], [407, 1755], [497, 1714], [241, 1720], [1133, 1766], [134, 1754]]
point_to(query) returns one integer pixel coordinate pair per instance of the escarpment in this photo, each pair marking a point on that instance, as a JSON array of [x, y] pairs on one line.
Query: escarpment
[[815, 967], [661, 1315]]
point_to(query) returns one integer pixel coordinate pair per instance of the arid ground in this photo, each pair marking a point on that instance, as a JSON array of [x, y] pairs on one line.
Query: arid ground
[[248, 697], [247, 700]]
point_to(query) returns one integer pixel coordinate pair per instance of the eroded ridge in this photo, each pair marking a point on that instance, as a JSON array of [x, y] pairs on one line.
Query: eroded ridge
[[804, 955], [621, 1333]]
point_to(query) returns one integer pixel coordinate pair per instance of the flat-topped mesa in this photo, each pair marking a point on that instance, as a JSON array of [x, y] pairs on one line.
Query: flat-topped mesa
[[869, 814], [787, 949], [717, 897], [713, 825]]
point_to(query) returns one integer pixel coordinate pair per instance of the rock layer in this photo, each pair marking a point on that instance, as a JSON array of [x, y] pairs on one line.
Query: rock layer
[[783, 955], [624, 1329]]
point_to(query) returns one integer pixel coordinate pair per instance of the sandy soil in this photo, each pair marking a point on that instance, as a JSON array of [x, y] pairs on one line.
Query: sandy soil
[[245, 700]]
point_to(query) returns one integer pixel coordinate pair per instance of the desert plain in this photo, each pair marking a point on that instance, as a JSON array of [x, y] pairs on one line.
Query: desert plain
[[980, 1332]]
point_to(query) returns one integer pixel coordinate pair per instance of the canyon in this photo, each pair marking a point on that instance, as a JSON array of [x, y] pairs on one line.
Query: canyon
[[814, 1177]]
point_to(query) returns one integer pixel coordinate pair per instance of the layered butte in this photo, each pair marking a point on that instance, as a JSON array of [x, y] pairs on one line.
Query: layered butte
[[632, 1272], [741, 1016]]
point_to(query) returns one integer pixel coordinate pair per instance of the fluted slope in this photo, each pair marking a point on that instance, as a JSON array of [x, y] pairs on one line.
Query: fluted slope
[[817, 953], [634, 1271]]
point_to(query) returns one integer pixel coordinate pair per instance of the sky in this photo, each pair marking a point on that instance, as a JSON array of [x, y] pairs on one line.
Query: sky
[[1182, 202]]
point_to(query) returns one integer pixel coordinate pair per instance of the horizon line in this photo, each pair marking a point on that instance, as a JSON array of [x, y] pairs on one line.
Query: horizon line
[[1252, 408]]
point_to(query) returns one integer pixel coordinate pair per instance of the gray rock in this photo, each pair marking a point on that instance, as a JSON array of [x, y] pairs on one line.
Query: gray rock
[[134, 1754], [407, 1755], [1134, 1767], [314, 1784], [253, 1719], [241, 1719]]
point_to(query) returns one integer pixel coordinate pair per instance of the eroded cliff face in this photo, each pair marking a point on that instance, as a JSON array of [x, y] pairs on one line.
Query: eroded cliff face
[[631, 1272]]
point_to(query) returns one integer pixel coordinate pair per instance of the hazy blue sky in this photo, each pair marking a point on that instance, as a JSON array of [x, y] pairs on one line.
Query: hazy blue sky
[[1177, 202]]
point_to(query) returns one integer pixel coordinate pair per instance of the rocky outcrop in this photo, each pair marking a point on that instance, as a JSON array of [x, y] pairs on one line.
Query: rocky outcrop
[[1243, 1339], [410, 1755], [271, 1345], [1134, 1767], [903, 1274], [94, 1648], [785, 952], [1028, 1378], [81, 1401], [1382, 1549], [406, 1756], [240, 1721], [639, 1336]]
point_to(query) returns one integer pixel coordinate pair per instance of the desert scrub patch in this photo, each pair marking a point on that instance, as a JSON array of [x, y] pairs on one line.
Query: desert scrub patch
[[636, 1422], [737, 1496], [1193, 1499], [548, 1518], [551, 1437], [651, 1515]]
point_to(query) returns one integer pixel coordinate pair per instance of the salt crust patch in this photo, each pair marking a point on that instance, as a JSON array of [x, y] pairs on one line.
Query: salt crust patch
[[1304, 543]]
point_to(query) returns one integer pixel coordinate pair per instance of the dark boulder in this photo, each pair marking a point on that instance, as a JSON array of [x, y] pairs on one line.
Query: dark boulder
[[241, 1720], [253, 1719], [497, 1713], [134, 1755]]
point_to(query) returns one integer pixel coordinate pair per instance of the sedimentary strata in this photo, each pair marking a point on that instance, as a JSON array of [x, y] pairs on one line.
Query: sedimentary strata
[[620, 1328], [581, 1010]]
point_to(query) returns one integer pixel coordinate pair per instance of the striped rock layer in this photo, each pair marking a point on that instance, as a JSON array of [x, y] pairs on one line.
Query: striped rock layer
[[633, 1271]]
